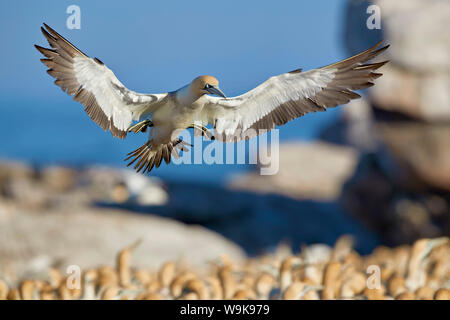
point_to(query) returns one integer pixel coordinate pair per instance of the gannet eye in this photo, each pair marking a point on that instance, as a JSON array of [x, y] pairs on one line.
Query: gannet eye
[[207, 86]]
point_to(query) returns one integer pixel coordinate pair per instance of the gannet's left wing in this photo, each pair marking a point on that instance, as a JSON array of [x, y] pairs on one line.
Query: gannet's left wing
[[106, 100], [291, 95]]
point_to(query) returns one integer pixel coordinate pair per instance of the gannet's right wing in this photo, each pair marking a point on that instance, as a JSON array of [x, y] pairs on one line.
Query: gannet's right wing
[[106, 100]]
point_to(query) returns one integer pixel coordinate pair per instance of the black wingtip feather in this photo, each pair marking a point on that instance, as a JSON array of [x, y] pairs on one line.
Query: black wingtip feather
[[46, 34]]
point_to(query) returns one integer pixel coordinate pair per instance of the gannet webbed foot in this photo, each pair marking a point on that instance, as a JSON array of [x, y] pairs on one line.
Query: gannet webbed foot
[[205, 131], [140, 126]]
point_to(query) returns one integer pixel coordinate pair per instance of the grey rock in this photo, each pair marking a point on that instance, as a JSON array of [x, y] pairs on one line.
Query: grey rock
[[306, 171], [30, 242], [416, 82], [421, 152]]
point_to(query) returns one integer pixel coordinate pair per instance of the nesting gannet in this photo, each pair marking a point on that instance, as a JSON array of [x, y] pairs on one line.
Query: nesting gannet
[[274, 102]]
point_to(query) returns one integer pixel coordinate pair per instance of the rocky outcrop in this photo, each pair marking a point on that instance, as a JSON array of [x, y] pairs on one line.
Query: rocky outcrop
[[306, 171], [401, 187], [55, 186], [414, 92], [417, 80], [421, 152], [397, 214], [31, 242]]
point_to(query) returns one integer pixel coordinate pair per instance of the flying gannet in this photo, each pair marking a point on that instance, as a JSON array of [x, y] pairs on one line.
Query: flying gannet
[[274, 102]]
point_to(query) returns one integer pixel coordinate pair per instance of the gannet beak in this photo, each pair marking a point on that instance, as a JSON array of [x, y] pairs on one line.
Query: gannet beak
[[216, 91]]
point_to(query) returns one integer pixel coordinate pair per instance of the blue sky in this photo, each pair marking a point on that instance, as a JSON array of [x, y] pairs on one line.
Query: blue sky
[[153, 46]]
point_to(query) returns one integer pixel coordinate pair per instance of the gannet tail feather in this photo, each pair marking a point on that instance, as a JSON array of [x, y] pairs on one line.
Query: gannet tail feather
[[148, 156]]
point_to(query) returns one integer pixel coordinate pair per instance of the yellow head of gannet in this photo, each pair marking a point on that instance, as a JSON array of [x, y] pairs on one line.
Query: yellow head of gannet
[[206, 85]]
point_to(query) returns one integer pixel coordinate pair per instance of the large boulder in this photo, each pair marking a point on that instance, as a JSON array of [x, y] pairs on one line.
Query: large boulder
[[411, 101], [31, 242], [417, 80], [376, 197], [306, 171], [421, 152]]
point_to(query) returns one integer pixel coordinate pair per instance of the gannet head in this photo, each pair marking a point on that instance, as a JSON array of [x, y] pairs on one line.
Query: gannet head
[[206, 85]]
